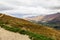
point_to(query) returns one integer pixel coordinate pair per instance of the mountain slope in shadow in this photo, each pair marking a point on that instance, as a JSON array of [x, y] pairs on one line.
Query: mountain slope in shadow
[[52, 20]]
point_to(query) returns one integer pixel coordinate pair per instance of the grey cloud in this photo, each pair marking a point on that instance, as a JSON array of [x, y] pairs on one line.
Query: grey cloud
[[30, 6], [56, 7], [52, 8], [5, 7], [21, 15], [49, 4]]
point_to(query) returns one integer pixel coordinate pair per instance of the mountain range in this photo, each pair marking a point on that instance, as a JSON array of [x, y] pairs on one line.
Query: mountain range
[[51, 20]]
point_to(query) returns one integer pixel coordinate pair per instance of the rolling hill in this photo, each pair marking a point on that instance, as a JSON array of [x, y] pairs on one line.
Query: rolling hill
[[29, 26]]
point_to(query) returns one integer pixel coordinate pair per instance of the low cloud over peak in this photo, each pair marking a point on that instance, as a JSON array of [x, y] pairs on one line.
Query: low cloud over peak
[[35, 7]]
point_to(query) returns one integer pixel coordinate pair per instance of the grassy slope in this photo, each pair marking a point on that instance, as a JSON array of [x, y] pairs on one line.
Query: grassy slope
[[31, 35], [26, 25], [8, 35]]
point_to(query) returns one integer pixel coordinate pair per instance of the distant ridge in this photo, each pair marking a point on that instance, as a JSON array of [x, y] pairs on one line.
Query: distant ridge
[[45, 18], [52, 20]]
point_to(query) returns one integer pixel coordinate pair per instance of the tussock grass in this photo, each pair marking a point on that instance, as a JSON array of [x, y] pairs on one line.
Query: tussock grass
[[31, 35]]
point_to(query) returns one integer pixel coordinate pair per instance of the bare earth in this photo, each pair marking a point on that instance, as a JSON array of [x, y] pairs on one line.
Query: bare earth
[[7, 35]]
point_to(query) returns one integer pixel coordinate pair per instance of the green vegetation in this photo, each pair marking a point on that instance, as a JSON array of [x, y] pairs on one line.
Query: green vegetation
[[31, 35], [28, 28], [52, 25]]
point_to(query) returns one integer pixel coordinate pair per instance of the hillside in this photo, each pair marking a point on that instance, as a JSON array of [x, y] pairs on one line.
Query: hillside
[[29, 26]]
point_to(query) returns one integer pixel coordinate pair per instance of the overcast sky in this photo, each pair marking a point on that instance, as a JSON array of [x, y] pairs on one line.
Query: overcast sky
[[25, 8]]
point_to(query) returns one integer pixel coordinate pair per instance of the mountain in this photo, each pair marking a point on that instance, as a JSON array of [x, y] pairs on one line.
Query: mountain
[[45, 18], [10, 21], [37, 18], [51, 20], [51, 17]]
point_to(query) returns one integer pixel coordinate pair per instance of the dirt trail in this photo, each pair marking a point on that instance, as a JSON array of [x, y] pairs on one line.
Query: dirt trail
[[7, 35], [1, 15]]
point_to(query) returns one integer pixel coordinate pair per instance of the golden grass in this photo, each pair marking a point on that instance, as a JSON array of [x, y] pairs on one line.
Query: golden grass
[[26, 25]]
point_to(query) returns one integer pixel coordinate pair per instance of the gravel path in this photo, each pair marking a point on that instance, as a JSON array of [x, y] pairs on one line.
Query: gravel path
[[7, 35]]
